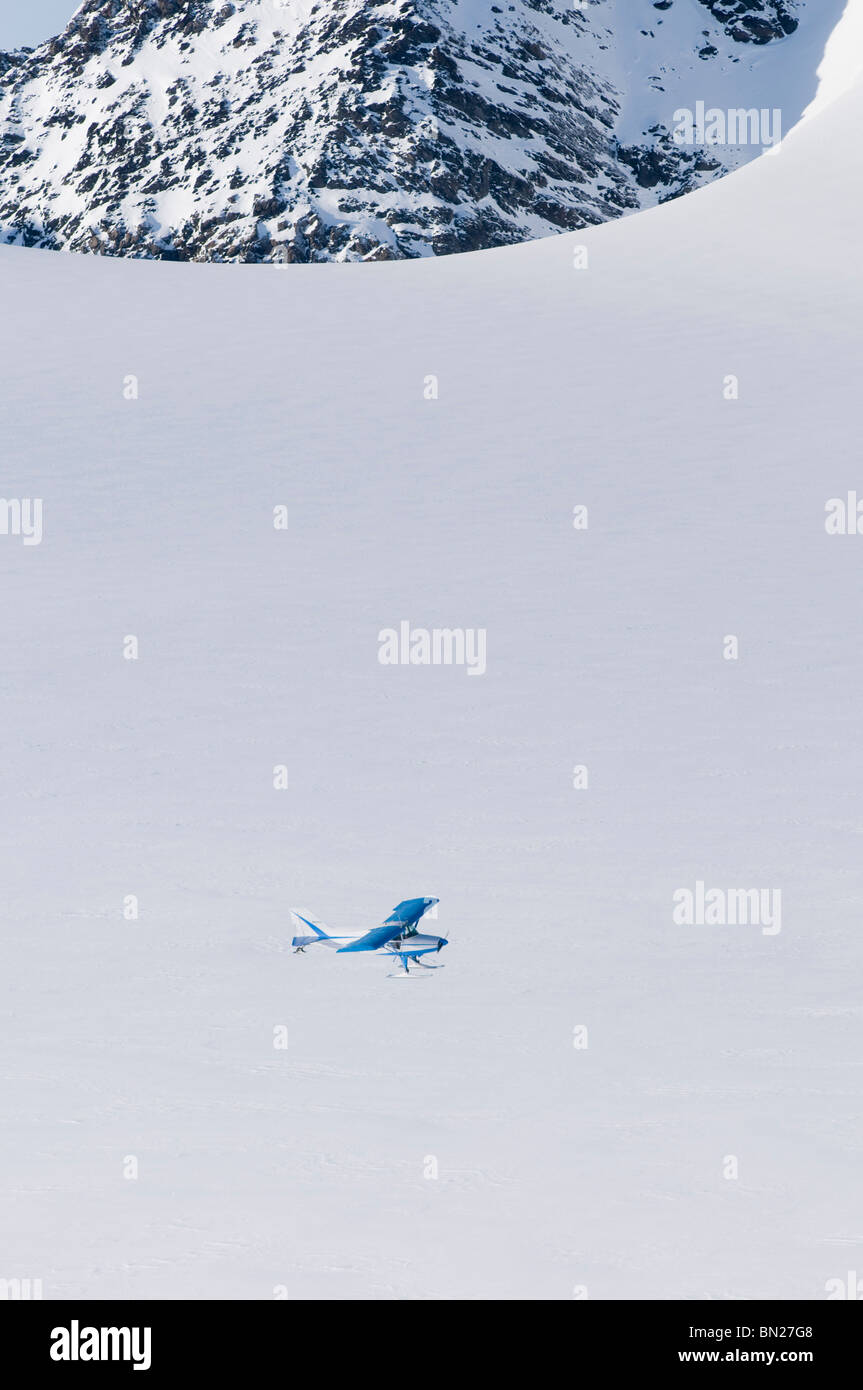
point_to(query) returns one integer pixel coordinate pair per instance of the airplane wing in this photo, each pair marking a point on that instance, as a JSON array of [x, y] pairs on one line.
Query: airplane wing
[[373, 940], [401, 922]]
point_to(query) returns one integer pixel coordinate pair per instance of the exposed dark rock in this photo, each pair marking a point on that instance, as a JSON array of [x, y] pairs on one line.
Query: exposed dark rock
[[754, 21]]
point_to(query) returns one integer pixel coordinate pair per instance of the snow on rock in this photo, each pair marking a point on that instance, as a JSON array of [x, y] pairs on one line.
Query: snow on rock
[[255, 130]]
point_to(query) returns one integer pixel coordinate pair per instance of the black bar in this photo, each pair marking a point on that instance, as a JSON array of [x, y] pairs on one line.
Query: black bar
[[226, 1340]]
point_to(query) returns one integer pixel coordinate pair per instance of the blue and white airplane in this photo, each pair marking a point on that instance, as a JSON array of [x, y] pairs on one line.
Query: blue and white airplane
[[397, 938]]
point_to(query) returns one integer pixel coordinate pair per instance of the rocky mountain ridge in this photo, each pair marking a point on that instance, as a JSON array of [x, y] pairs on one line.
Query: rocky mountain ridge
[[303, 130]]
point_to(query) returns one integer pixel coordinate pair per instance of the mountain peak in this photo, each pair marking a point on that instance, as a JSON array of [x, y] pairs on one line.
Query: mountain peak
[[263, 130]]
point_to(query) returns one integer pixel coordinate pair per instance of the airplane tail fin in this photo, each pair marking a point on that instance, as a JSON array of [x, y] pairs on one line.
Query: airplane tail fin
[[308, 931]]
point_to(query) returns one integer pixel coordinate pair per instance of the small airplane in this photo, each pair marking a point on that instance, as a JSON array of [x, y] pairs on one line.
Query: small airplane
[[397, 937]]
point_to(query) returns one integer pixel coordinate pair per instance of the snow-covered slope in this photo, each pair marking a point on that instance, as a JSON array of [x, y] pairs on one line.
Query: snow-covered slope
[[309, 1168], [372, 129]]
